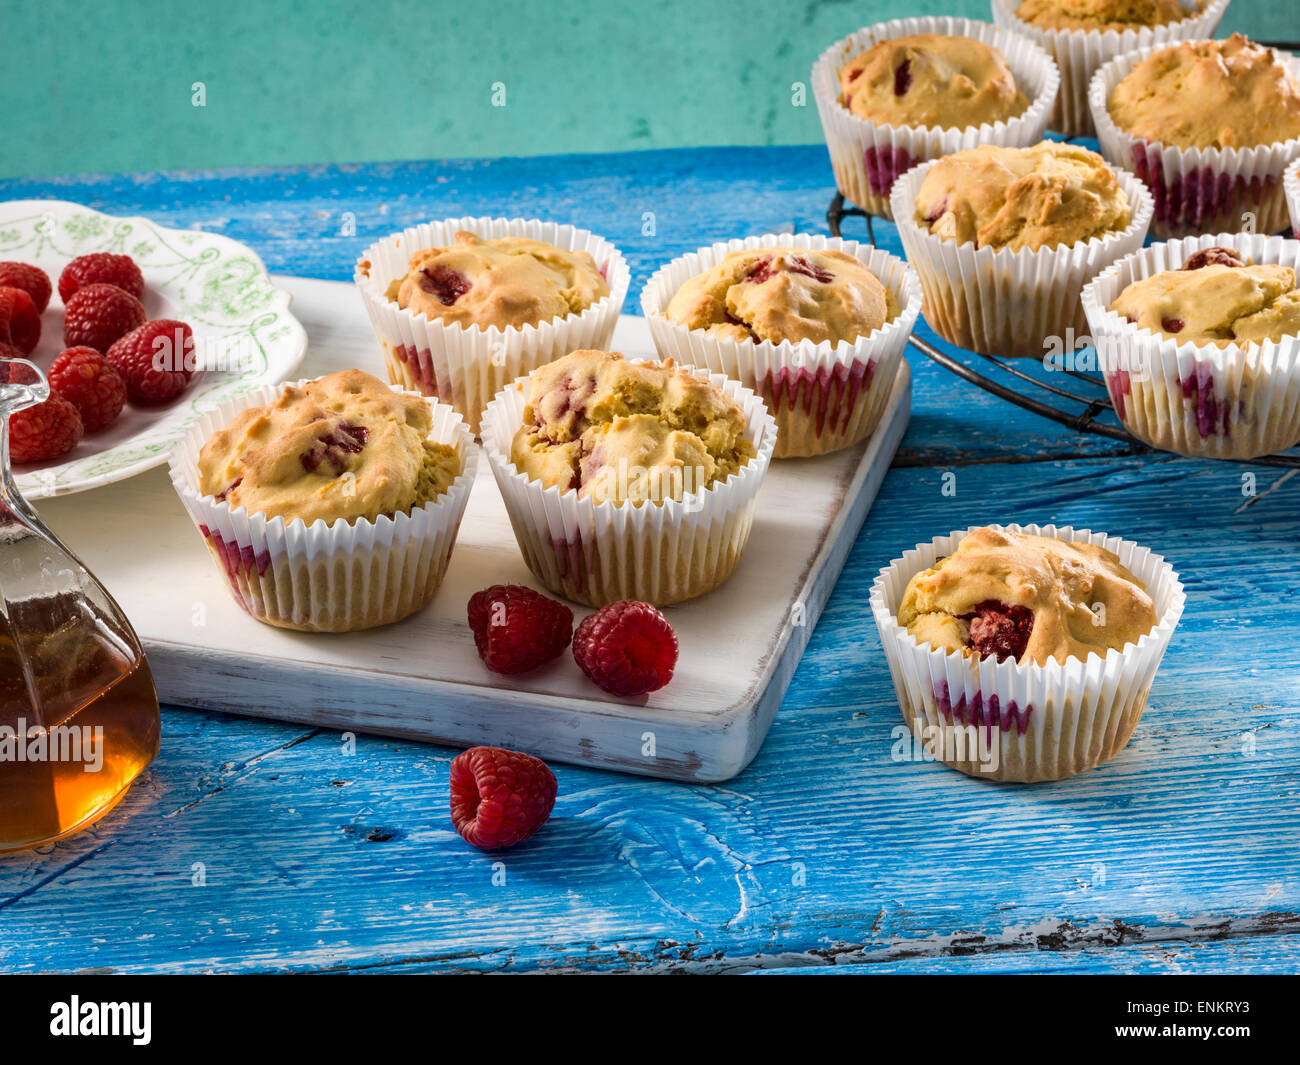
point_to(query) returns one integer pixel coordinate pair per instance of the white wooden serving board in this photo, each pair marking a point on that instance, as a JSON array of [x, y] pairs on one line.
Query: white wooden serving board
[[422, 678]]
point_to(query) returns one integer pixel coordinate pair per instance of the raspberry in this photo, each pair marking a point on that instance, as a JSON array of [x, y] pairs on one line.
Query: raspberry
[[45, 431], [627, 648], [1215, 256], [31, 279], [444, 283], [517, 629], [101, 268], [20, 321], [89, 382], [1000, 630], [903, 78], [148, 361], [97, 315], [498, 797]]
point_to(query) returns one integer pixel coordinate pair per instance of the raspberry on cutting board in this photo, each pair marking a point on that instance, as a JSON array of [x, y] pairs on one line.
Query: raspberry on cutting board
[[20, 321], [98, 315], [45, 431], [517, 629], [31, 279], [89, 382], [156, 360], [499, 797], [101, 268], [627, 648]]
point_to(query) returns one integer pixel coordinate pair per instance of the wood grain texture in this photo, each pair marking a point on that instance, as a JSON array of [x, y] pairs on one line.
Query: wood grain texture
[[825, 850]]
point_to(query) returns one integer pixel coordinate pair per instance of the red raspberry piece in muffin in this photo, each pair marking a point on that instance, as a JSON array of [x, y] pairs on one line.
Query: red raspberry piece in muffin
[[517, 629], [101, 268], [156, 360], [20, 321], [626, 648], [89, 382], [499, 797], [98, 315], [31, 279], [45, 431]]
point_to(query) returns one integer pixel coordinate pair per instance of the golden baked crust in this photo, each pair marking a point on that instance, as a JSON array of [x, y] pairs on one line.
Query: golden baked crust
[[1038, 197], [1029, 598], [342, 447], [784, 294], [1101, 14], [621, 431], [1209, 94], [929, 79], [508, 282], [1215, 298]]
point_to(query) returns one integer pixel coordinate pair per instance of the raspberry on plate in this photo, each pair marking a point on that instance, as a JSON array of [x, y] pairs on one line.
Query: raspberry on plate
[[31, 279], [156, 360], [498, 797], [101, 268], [97, 315], [89, 382], [20, 321], [517, 629], [627, 648], [45, 431]]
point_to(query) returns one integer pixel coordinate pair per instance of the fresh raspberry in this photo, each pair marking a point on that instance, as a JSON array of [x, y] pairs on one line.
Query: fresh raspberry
[[156, 360], [517, 629], [20, 321], [101, 268], [97, 315], [89, 382], [498, 797], [45, 431], [31, 279], [627, 648]]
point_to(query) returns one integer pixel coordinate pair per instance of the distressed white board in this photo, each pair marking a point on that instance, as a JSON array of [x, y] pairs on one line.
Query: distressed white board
[[421, 678]]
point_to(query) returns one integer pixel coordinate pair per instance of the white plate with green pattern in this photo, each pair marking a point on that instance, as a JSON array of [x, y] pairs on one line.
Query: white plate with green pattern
[[244, 334]]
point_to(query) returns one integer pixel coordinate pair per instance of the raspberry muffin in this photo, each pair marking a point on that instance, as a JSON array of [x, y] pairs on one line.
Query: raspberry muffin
[[462, 307], [1004, 239], [1084, 35], [1199, 342], [897, 93], [1025, 654], [1211, 126], [815, 326], [628, 480], [330, 505]]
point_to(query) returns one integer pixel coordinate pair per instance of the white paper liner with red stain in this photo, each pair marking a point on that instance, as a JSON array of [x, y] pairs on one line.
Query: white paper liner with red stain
[[868, 157], [1197, 190], [1235, 402], [1079, 53], [1003, 302], [319, 577], [598, 553], [824, 397], [462, 367], [1291, 183], [1005, 721]]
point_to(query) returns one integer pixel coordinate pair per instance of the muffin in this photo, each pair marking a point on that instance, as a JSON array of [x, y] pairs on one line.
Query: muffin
[[1083, 35], [1199, 343], [628, 480], [465, 306], [1004, 239], [1210, 126], [330, 505], [816, 326], [900, 92], [1025, 654]]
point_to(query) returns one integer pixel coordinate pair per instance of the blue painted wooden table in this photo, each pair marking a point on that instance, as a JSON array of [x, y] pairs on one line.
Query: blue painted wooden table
[[251, 846]]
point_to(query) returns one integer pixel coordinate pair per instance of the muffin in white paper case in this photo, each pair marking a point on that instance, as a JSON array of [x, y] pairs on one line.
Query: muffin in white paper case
[[1000, 301], [1079, 53], [1291, 182], [824, 397], [1006, 721], [1197, 190], [322, 577], [466, 367], [660, 553], [1239, 401], [868, 157]]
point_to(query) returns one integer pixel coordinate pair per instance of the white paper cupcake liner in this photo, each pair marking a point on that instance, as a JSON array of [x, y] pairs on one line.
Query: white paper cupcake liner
[[1079, 53], [1002, 302], [1196, 190], [824, 397], [868, 157], [466, 367], [598, 553], [1236, 402], [1012, 722], [1291, 183], [319, 577]]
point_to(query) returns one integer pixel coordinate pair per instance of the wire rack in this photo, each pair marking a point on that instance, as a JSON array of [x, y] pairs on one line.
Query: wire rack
[[1084, 406]]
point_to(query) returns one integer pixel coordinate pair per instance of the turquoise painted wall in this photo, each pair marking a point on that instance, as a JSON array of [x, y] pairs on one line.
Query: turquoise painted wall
[[108, 87]]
